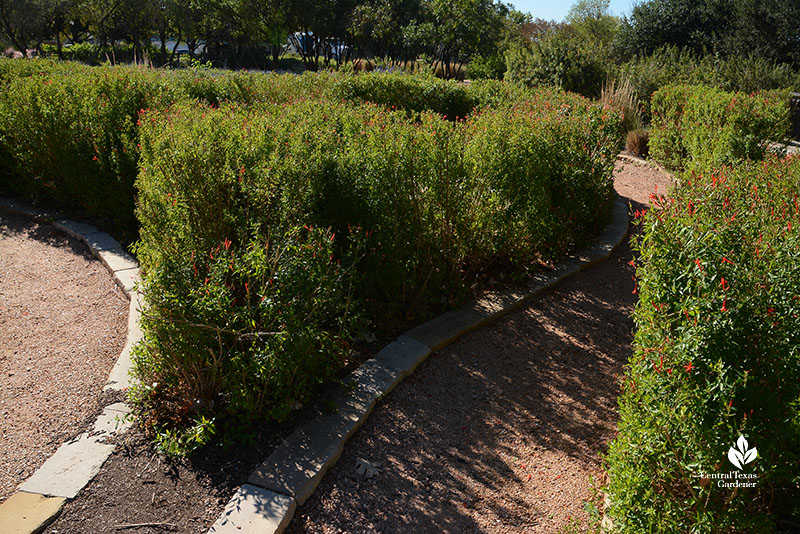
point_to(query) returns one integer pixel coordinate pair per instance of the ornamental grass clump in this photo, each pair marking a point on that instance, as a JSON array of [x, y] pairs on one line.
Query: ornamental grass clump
[[716, 356]]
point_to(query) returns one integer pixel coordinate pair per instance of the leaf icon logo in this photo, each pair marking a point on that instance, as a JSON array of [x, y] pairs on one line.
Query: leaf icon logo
[[739, 455]]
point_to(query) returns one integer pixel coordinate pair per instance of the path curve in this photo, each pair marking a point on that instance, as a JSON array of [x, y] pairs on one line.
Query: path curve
[[166, 495], [63, 322], [502, 431]]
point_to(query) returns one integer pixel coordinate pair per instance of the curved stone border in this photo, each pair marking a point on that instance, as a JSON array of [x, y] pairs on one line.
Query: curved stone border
[[267, 502], [39, 500]]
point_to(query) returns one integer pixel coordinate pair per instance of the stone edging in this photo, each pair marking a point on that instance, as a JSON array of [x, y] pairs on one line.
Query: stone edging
[[288, 477], [39, 500]]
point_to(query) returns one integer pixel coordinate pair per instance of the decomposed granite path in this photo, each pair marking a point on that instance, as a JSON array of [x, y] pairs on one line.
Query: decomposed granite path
[[63, 322], [499, 432], [502, 431]]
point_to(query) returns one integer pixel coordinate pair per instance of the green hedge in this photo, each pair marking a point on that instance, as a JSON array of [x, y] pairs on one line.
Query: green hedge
[[700, 127], [557, 61], [280, 216], [716, 356], [671, 65], [68, 131], [70, 137], [416, 210], [413, 93]]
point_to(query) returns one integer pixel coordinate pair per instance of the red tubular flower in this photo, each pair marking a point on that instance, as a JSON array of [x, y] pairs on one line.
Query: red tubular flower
[[724, 305]]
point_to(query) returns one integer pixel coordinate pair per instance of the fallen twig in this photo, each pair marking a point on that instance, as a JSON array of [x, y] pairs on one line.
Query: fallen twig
[[140, 525]]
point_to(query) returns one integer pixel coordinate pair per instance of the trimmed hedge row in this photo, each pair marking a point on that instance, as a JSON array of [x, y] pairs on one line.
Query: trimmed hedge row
[[68, 131], [716, 356], [412, 212], [700, 127], [283, 216]]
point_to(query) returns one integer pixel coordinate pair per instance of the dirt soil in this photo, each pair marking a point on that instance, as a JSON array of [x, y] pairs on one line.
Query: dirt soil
[[501, 432], [63, 323]]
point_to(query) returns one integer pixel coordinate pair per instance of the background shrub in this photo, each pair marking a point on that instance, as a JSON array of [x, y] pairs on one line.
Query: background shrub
[[702, 127], [554, 60], [489, 66], [671, 65], [412, 93], [715, 356]]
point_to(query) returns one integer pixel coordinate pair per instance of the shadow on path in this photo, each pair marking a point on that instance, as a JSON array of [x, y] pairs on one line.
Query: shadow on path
[[503, 430]]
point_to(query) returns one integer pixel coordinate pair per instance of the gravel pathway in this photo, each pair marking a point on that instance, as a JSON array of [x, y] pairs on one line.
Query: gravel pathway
[[503, 431], [63, 323], [500, 432]]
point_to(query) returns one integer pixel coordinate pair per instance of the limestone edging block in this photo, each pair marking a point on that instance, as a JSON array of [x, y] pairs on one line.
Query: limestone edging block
[[442, 330], [72, 466], [403, 355], [76, 229], [28, 513], [112, 420], [254, 510], [119, 377], [127, 279], [298, 464]]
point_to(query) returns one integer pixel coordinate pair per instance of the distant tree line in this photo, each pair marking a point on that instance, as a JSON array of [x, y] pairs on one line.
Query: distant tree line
[[238, 33], [768, 29], [488, 36]]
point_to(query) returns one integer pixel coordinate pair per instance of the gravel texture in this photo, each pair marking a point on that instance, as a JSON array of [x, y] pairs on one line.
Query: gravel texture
[[500, 432], [63, 323]]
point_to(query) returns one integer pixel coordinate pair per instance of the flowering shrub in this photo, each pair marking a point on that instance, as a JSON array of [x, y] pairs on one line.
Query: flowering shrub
[[70, 137], [413, 93], [715, 356], [700, 127], [280, 216], [68, 131], [416, 210]]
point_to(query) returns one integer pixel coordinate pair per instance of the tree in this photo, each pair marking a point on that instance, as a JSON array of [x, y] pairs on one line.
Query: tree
[[374, 27], [692, 24], [262, 21], [556, 60], [26, 23], [594, 25], [768, 29], [454, 30]]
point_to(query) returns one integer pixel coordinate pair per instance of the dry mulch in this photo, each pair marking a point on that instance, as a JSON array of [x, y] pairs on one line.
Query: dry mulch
[[500, 432], [63, 322]]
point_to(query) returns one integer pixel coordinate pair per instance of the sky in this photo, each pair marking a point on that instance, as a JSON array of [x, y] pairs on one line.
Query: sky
[[557, 9]]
